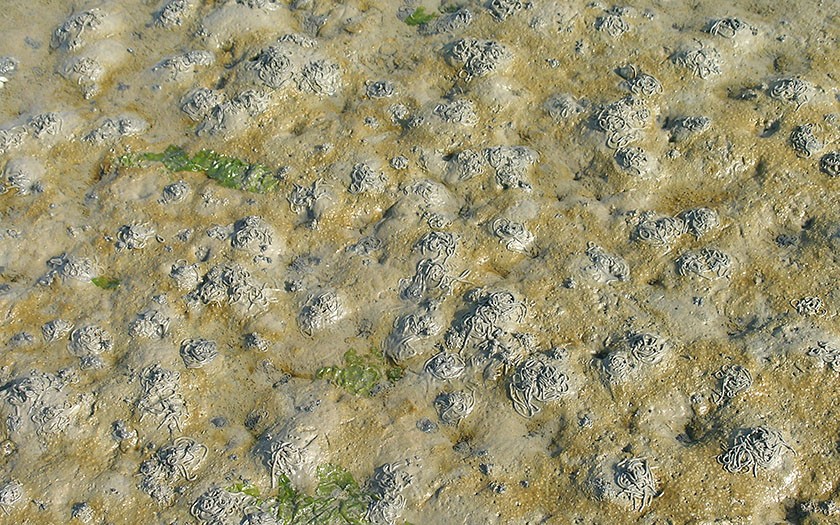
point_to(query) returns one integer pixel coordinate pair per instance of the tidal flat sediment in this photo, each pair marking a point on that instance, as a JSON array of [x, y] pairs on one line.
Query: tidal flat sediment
[[373, 262]]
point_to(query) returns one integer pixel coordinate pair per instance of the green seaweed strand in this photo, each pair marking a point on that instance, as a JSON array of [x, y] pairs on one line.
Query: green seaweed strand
[[360, 374], [247, 489], [106, 283], [228, 171], [419, 17], [338, 499]]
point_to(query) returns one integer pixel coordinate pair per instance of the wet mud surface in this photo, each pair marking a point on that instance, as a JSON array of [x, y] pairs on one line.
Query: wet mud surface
[[392, 263]]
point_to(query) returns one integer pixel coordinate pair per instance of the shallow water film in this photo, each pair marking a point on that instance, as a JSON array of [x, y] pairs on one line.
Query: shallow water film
[[420, 262]]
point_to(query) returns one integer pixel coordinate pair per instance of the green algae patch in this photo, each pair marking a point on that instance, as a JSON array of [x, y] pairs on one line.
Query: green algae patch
[[228, 171], [106, 283], [419, 17], [245, 488], [338, 499], [361, 374]]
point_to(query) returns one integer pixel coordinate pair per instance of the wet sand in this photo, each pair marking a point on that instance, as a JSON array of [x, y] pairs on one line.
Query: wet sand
[[615, 227]]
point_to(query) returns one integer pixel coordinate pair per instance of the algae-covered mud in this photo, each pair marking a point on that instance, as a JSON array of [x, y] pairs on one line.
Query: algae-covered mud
[[456, 262]]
